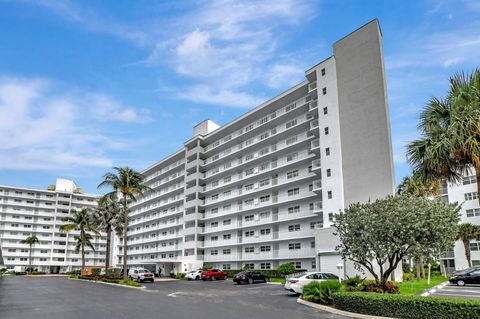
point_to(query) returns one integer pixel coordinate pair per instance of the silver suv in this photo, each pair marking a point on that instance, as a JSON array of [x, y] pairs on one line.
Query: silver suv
[[140, 275]]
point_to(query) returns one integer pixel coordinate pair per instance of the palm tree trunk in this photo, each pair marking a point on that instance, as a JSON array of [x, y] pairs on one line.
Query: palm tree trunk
[[107, 251], [125, 226], [466, 244], [422, 267], [83, 259], [30, 260], [477, 170]]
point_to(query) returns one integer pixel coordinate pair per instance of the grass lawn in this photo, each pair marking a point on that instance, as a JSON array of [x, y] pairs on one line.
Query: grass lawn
[[415, 287], [280, 280]]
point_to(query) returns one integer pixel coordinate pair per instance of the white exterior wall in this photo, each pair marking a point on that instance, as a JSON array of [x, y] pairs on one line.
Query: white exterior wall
[[26, 211]]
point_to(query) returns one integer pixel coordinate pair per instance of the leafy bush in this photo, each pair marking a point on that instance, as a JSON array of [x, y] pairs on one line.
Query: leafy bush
[[109, 280], [28, 269], [321, 292], [406, 306], [206, 267], [3, 270], [180, 275], [353, 283], [96, 272], [38, 273], [129, 282], [390, 287], [271, 273], [86, 277], [286, 269], [113, 273], [74, 276], [408, 277]]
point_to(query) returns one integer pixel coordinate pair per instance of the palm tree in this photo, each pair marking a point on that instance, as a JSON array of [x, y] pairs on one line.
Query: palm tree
[[449, 145], [129, 183], [30, 241], [417, 186], [108, 217], [466, 233], [82, 220]]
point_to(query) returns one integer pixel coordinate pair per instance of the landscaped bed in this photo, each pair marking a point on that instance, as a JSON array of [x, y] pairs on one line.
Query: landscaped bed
[[117, 281], [413, 287]]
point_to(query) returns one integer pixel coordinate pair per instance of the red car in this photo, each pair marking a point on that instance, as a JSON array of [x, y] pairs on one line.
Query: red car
[[214, 274]]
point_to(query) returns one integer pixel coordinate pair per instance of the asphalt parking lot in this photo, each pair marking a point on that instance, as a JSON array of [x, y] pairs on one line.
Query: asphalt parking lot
[[454, 291], [37, 297]]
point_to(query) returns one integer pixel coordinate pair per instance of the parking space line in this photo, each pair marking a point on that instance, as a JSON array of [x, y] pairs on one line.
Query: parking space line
[[455, 295], [263, 286]]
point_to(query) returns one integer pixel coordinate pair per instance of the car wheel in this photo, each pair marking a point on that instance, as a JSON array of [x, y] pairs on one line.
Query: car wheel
[[250, 281], [266, 279], [461, 283], [197, 278], [224, 278], [213, 278]]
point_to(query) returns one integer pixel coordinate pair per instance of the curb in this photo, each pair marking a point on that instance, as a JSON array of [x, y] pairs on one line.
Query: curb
[[434, 289], [338, 311], [106, 283], [274, 283]]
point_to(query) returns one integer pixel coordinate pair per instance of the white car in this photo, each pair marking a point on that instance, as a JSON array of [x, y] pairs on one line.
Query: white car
[[140, 275], [295, 284], [194, 275]]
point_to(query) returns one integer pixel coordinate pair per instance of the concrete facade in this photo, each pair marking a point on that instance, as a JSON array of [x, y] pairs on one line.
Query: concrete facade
[[252, 192], [26, 211]]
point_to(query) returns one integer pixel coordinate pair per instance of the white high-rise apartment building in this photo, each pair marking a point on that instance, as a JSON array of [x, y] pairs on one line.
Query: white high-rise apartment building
[[466, 194], [27, 211], [252, 192]]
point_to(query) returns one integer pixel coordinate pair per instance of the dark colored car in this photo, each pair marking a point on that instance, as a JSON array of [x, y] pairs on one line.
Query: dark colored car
[[249, 277], [214, 274], [466, 277], [457, 272]]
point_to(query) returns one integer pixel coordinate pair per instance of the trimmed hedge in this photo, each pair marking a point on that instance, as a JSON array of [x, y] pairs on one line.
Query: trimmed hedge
[[269, 272], [406, 306]]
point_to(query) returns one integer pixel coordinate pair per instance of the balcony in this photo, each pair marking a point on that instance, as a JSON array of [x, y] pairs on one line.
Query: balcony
[[316, 166], [313, 105], [312, 86], [315, 145], [317, 208], [314, 125], [317, 186]]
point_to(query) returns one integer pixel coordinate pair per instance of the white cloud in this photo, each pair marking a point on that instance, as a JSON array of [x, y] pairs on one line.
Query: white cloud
[[284, 74], [42, 127], [224, 97]]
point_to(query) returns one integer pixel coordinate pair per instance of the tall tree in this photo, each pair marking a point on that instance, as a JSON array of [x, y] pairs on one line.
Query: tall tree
[[378, 235], [466, 233], [449, 145], [107, 216], [129, 184], [30, 241], [84, 222]]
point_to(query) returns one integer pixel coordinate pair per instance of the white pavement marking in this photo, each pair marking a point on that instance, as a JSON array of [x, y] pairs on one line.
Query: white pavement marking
[[456, 295], [260, 287], [174, 294]]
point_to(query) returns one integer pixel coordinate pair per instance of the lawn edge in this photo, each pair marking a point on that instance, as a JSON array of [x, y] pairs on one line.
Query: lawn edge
[[107, 283], [338, 311], [429, 291]]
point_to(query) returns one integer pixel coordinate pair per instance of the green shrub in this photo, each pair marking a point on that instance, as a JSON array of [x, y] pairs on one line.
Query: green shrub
[[390, 287], [109, 280], [271, 273], [86, 277], [353, 283], [179, 275], [321, 292], [96, 272], [286, 269], [408, 277], [3, 270], [38, 273], [74, 276], [406, 306], [129, 282], [206, 267], [113, 273]]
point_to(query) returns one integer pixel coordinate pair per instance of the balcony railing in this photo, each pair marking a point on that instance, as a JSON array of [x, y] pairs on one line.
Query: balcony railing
[[312, 86]]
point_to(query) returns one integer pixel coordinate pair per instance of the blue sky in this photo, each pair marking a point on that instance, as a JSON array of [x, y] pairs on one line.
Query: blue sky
[[86, 85]]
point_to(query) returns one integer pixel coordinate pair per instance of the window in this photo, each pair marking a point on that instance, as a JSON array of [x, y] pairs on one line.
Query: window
[[249, 249], [324, 91], [249, 171], [226, 266], [294, 209], [227, 193], [293, 192], [227, 251], [249, 218], [327, 151], [249, 233], [475, 246], [323, 72], [294, 246], [215, 170], [329, 194], [264, 182], [469, 180], [290, 107], [214, 210], [264, 136], [227, 207], [292, 174], [214, 224], [263, 151], [330, 217], [291, 140], [265, 266], [227, 138], [227, 165], [264, 198], [227, 222], [312, 244], [214, 252], [227, 179], [292, 157], [249, 202], [227, 236], [329, 172], [214, 157], [263, 120], [291, 123], [297, 264], [265, 248], [249, 187], [295, 227], [214, 183], [471, 196], [249, 266], [215, 197], [265, 231], [473, 212], [248, 157], [248, 128], [326, 130]]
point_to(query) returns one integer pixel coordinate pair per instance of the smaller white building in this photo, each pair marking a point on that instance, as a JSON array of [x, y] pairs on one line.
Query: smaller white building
[[28, 211]]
